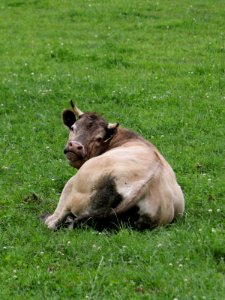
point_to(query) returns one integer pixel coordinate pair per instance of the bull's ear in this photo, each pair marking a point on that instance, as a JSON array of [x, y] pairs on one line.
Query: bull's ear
[[68, 118]]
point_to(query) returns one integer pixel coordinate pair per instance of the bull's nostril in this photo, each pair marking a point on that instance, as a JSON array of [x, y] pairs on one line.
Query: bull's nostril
[[79, 147]]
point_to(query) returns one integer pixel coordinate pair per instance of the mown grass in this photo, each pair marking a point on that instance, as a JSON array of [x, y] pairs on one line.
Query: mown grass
[[155, 67]]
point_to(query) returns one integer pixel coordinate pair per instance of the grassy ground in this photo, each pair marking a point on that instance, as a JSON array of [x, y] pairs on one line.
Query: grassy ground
[[155, 67]]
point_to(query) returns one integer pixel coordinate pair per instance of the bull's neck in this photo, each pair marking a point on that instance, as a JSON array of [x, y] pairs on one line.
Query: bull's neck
[[121, 137]]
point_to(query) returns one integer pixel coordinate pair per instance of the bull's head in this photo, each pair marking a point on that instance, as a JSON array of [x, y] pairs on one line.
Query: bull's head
[[89, 135]]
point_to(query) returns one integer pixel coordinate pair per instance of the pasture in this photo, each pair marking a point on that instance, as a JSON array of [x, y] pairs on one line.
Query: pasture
[[157, 67]]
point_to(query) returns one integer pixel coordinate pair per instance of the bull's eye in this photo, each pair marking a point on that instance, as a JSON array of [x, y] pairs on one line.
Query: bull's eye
[[73, 128], [99, 139]]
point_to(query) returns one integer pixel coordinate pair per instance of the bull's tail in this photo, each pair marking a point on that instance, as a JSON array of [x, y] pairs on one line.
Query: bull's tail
[[140, 189]]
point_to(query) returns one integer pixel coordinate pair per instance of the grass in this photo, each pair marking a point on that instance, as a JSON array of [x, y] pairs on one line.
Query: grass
[[155, 67]]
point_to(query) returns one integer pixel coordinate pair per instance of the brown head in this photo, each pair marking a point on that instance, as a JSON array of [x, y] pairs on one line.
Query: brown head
[[89, 135]]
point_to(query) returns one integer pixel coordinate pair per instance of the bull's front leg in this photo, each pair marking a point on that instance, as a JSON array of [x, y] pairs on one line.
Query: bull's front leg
[[55, 220], [70, 202]]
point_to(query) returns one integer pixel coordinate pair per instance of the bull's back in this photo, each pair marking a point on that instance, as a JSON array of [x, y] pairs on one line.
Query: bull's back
[[130, 162]]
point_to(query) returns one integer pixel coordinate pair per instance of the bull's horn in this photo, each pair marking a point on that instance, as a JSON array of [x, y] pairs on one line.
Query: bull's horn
[[76, 110], [113, 125]]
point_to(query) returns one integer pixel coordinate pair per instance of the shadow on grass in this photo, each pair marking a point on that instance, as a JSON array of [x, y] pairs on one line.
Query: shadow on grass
[[109, 224]]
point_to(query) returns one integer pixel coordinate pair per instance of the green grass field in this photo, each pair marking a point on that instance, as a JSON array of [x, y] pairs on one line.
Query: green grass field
[[155, 67]]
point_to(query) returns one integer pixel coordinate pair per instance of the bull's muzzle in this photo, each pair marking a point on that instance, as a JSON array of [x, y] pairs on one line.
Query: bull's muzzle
[[74, 150]]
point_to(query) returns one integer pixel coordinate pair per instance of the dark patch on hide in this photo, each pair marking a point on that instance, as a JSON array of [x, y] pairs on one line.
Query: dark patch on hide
[[135, 220], [106, 196], [145, 221]]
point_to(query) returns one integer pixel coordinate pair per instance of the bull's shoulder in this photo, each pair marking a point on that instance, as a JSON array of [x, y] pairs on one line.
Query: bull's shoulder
[[130, 141], [124, 136]]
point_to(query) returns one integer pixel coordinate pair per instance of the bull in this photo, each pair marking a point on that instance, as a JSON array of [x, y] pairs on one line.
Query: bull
[[121, 176]]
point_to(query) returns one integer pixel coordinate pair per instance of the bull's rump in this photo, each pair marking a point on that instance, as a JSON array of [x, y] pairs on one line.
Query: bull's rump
[[142, 176]]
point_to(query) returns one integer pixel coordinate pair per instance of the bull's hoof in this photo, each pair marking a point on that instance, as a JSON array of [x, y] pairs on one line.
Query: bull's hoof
[[52, 222]]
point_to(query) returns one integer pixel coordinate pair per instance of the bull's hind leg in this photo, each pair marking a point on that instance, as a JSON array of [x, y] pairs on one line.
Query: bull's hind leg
[[154, 210], [102, 202]]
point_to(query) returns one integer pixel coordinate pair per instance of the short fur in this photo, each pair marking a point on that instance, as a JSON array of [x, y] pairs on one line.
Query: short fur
[[106, 196], [121, 177]]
